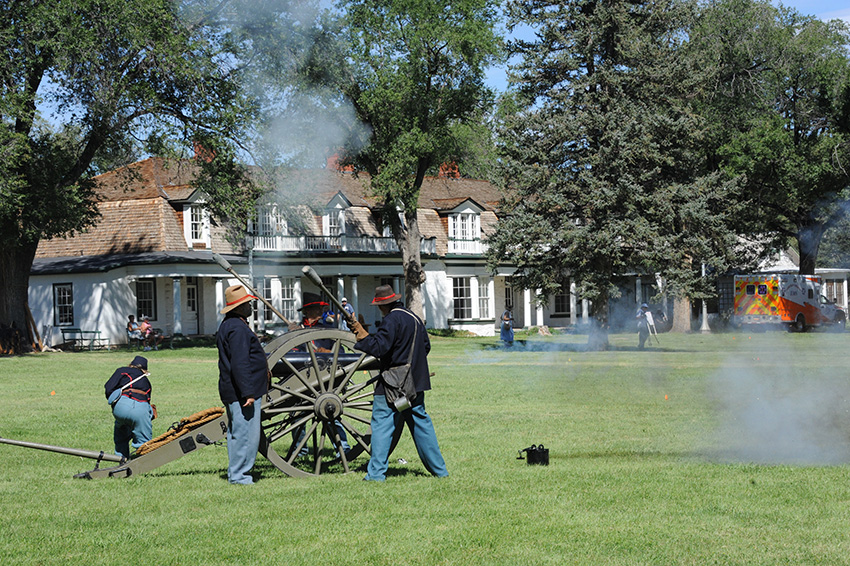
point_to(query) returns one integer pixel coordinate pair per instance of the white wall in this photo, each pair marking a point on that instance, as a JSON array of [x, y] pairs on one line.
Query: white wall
[[100, 303]]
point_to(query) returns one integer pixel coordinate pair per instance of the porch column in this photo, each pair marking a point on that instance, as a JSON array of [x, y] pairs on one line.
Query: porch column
[[491, 293], [539, 308], [219, 300], [340, 293], [585, 310], [296, 290], [573, 303], [526, 308], [277, 292], [354, 302], [398, 283], [178, 311], [638, 293]]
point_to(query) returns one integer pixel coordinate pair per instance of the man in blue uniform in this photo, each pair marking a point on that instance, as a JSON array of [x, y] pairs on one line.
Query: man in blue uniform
[[392, 344], [243, 380], [129, 393]]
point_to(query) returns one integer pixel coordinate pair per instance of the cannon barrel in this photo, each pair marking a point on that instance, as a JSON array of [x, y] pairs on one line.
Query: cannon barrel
[[63, 450]]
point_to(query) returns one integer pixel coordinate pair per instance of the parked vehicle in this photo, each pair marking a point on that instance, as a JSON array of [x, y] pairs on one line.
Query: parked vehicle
[[784, 299]]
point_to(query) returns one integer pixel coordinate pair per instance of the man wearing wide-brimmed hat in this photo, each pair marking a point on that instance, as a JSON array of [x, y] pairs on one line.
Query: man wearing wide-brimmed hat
[[243, 380], [400, 338]]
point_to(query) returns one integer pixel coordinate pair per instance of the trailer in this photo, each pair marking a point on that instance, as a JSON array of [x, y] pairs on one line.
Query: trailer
[[783, 299]]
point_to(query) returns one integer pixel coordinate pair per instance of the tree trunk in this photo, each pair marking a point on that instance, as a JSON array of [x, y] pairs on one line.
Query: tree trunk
[[681, 315], [808, 240], [411, 259], [597, 338], [15, 266]]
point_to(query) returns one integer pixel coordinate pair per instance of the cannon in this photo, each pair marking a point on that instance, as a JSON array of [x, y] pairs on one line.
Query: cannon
[[315, 397]]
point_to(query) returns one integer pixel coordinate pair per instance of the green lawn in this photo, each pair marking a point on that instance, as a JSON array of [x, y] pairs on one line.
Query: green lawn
[[720, 449]]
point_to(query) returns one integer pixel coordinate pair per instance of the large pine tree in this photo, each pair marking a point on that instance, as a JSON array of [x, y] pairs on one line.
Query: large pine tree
[[601, 147]]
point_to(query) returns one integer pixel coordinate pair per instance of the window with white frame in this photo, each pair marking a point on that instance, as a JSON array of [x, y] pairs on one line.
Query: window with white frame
[[335, 222], [268, 315], [63, 304], [464, 232], [483, 298], [196, 219], [287, 298], [509, 294], [146, 298], [196, 222], [270, 222], [268, 226], [462, 296], [562, 300]]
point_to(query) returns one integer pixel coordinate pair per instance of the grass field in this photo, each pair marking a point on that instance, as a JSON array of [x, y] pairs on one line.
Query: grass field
[[718, 449]]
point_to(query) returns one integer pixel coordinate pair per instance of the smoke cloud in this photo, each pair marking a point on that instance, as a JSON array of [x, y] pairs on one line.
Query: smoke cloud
[[771, 411]]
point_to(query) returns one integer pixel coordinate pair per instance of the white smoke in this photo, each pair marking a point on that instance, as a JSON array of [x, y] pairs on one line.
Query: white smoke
[[772, 412]]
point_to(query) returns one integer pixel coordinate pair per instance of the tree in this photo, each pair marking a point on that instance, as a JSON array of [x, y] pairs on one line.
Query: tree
[[413, 72], [783, 107], [163, 73], [602, 149]]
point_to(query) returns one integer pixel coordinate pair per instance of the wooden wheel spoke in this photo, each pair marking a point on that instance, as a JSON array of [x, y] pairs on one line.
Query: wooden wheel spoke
[[358, 437], [297, 373], [281, 433], [296, 450], [314, 362]]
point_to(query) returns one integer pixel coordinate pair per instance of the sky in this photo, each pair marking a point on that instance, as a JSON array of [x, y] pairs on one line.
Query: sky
[[823, 9]]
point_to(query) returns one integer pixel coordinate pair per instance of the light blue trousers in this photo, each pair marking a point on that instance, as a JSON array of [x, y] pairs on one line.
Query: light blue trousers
[[243, 441], [385, 421], [132, 425]]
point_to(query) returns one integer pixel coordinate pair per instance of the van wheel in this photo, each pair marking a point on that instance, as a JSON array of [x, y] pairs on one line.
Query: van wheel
[[800, 323], [840, 322]]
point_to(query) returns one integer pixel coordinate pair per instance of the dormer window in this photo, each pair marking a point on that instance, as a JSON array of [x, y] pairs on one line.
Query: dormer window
[[269, 228], [465, 229], [196, 223], [335, 223]]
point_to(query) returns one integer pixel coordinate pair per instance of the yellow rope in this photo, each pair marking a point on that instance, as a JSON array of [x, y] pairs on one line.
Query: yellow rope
[[180, 428]]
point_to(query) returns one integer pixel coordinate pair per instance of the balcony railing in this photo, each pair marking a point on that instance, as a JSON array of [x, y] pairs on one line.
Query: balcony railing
[[335, 244], [472, 247]]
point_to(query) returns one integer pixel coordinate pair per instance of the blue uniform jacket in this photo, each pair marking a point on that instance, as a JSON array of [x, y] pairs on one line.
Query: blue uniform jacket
[[242, 366], [391, 344], [125, 375]]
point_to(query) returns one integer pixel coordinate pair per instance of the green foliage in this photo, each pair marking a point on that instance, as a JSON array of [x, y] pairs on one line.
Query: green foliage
[[115, 78], [603, 148], [634, 477], [780, 113]]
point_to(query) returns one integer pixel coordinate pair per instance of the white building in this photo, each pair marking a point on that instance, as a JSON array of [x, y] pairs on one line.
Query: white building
[[151, 254]]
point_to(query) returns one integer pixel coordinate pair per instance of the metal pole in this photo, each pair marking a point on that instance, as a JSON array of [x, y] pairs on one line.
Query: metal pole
[[62, 450]]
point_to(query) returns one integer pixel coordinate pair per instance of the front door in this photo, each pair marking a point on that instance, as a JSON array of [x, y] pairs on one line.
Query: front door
[[190, 313]]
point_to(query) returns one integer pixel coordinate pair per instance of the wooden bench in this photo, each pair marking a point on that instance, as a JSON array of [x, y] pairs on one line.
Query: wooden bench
[[79, 337]]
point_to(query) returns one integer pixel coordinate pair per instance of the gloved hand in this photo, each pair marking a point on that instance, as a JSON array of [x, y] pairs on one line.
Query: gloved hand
[[359, 332]]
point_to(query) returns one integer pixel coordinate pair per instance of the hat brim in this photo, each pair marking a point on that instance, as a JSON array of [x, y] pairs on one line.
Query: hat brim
[[385, 300], [244, 299]]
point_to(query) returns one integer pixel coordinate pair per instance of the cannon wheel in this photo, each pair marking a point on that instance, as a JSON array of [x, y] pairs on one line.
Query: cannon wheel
[[320, 399]]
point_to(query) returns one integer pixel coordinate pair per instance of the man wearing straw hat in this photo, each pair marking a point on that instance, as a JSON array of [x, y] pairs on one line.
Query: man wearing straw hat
[[243, 380], [401, 339]]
